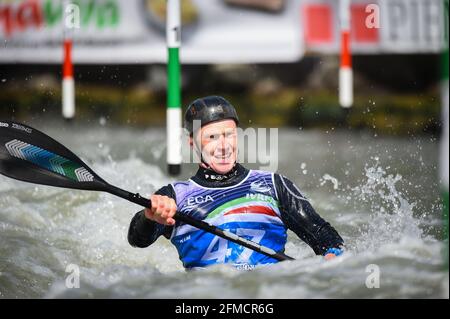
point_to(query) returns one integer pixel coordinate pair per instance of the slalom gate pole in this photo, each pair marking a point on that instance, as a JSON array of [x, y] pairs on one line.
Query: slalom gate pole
[[173, 119], [345, 70]]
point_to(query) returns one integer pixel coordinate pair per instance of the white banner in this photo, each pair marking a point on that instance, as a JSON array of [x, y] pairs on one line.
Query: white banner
[[376, 26], [216, 31], [133, 31]]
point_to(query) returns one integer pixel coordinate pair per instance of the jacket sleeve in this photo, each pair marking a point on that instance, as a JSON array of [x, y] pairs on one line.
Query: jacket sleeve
[[144, 232], [299, 216]]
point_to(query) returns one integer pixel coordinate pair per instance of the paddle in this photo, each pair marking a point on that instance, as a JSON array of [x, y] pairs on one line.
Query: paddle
[[29, 155]]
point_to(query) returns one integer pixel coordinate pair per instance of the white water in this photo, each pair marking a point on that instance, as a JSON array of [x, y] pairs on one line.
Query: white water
[[386, 208]]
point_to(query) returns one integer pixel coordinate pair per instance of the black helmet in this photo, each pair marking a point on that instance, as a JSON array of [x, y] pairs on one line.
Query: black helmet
[[209, 109]]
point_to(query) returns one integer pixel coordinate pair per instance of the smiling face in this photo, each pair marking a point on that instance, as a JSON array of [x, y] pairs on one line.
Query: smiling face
[[218, 142]]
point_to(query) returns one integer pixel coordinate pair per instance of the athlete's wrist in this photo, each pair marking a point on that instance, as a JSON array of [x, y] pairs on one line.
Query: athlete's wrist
[[333, 252]]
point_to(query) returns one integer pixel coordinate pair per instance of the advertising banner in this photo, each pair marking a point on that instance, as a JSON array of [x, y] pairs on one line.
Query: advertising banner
[[133, 31]]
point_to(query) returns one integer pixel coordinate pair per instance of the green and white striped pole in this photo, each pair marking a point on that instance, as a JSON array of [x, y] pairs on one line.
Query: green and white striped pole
[[444, 165], [173, 120]]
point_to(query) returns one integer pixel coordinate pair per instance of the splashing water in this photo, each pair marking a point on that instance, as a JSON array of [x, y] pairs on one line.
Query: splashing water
[[392, 216], [333, 180], [45, 229]]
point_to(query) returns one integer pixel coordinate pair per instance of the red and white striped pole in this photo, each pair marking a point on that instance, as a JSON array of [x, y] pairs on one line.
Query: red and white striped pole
[[68, 83], [345, 70]]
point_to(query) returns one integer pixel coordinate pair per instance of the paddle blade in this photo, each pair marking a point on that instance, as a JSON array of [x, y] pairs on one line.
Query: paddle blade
[[31, 156]]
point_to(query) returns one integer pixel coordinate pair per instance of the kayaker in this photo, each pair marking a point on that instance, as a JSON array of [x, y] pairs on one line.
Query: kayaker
[[254, 204]]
